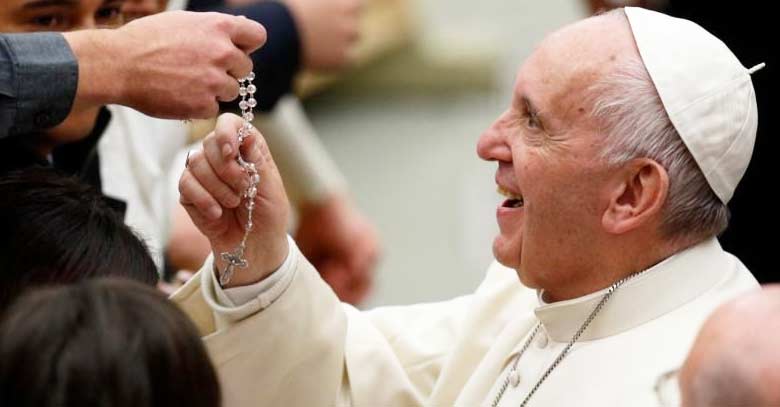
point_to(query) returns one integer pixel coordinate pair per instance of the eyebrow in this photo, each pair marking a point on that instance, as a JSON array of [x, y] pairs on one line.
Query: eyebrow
[[49, 3]]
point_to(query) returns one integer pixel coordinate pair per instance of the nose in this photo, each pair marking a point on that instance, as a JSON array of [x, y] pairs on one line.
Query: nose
[[86, 23], [492, 144]]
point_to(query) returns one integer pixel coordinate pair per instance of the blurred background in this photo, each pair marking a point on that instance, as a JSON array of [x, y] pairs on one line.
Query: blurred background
[[403, 125]]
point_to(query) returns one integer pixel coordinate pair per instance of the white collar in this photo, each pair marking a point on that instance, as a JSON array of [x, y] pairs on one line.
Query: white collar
[[659, 290]]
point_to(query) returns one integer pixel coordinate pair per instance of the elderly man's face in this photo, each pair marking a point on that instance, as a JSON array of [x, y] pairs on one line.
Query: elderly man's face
[[546, 146]]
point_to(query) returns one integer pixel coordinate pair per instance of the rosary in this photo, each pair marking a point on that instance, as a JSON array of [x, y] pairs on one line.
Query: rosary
[[236, 258]]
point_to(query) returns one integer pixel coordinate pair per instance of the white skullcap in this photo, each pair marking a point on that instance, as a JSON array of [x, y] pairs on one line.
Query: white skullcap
[[706, 92]]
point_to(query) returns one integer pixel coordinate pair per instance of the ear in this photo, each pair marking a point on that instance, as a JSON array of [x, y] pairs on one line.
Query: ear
[[636, 196]]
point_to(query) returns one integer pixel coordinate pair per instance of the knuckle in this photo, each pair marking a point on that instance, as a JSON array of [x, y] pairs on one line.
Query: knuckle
[[183, 183], [227, 196], [222, 23], [202, 201], [196, 159], [223, 136], [222, 170], [224, 54], [213, 81]]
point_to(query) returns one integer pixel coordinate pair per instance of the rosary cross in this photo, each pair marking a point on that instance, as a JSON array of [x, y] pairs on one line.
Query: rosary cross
[[233, 259]]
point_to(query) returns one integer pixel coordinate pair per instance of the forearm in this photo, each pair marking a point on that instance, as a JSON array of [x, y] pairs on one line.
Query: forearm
[[101, 69]]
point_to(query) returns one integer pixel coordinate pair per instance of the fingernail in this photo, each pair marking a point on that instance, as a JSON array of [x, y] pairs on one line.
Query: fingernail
[[215, 212], [227, 150]]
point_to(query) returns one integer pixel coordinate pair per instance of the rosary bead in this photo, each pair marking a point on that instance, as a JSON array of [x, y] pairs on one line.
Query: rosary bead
[[242, 105], [252, 102], [254, 179], [249, 116], [251, 89], [242, 91], [251, 76]]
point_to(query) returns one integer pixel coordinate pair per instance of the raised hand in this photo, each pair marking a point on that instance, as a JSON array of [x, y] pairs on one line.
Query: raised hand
[[211, 188]]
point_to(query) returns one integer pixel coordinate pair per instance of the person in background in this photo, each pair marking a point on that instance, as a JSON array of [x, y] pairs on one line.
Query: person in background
[[734, 361], [70, 145], [57, 230], [102, 343]]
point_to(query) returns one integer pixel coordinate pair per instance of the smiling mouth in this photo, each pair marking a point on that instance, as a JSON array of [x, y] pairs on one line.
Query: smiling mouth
[[513, 201]]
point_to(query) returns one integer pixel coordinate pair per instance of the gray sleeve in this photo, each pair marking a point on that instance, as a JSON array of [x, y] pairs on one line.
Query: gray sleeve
[[38, 81]]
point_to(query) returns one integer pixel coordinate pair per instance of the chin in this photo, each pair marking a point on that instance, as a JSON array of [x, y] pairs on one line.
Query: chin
[[506, 252]]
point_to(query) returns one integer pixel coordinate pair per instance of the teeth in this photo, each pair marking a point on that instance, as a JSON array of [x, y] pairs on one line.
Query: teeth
[[508, 194]]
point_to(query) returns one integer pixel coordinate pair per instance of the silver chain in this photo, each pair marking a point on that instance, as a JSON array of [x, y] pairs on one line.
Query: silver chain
[[564, 352], [236, 258]]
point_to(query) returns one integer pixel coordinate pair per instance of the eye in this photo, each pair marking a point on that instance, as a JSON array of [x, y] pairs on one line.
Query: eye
[[109, 15], [532, 121], [531, 117], [49, 21]]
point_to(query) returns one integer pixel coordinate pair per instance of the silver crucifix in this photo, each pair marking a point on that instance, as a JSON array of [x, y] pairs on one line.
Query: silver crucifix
[[234, 259]]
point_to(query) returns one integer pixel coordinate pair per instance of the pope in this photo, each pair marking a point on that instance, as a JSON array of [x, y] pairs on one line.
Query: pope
[[625, 138]]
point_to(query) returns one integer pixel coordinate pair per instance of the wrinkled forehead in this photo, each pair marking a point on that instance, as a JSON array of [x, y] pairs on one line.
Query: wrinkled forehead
[[571, 59]]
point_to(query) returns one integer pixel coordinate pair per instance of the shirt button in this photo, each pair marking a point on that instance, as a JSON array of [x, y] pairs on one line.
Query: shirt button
[[514, 378], [541, 341]]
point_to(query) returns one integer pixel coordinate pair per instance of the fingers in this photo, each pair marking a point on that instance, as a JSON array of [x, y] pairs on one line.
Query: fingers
[[239, 66], [214, 180], [228, 90], [247, 35], [220, 150], [254, 149], [204, 172], [193, 194]]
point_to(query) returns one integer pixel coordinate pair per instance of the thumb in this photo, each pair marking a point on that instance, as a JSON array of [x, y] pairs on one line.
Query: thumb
[[248, 35]]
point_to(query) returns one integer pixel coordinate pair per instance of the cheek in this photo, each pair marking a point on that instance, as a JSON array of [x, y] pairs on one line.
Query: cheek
[[560, 196]]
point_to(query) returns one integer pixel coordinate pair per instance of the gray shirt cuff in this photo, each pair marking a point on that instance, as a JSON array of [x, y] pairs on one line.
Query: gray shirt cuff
[[38, 82]]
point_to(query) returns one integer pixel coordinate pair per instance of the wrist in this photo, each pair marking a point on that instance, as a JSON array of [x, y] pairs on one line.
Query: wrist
[[261, 262], [101, 73]]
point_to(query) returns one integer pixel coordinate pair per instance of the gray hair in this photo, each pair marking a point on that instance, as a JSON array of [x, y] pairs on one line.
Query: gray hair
[[632, 118]]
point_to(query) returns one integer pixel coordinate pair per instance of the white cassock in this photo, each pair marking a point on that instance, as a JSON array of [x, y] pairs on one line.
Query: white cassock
[[288, 341]]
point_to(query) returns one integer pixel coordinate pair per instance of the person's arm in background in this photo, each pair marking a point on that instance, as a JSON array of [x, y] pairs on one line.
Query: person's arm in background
[[317, 35], [172, 65]]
